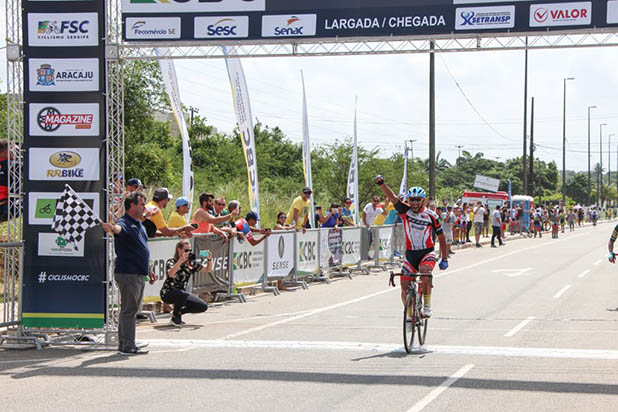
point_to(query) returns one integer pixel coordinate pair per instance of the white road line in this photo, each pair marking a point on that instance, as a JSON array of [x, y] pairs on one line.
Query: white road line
[[584, 273], [519, 327], [420, 405], [562, 353], [31, 360], [597, 262], [561, 291]]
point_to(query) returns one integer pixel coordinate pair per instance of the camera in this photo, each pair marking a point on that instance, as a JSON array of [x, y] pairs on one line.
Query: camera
[[194, 261]]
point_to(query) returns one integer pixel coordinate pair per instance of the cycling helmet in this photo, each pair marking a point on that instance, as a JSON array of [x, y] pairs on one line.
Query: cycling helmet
[[417, 191]]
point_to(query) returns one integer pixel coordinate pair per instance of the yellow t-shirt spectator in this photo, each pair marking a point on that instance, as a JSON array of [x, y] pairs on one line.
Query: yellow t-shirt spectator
[[379, 220], [176, 220], [303, 209], [157, 218]]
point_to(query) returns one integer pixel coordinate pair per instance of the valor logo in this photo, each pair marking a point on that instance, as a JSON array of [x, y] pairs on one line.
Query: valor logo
[[227, 27], [289, 26], [62, 29], [64, 119], [560, 14]]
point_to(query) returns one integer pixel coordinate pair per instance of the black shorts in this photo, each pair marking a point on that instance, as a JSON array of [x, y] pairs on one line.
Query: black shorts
[[414, 259]]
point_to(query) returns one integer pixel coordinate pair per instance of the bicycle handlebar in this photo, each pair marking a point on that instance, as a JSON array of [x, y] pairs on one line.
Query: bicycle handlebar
[[391, 280]]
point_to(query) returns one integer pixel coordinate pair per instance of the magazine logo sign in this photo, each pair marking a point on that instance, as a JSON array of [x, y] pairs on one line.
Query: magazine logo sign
[[221, 27], [297, 25], [191, 6], [52, 164], [143, 28], [474, 18], [64, 119], [560, 14], [63, 75], [63, 29]]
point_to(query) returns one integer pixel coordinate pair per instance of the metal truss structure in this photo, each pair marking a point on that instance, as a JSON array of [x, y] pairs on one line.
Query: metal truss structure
[[351, 47]]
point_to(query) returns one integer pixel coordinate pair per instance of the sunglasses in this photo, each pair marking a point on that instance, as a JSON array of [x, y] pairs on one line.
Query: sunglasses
[[187, 250], [416, 199], [220, 204], [307, 193], [348, 203], [283, 217]]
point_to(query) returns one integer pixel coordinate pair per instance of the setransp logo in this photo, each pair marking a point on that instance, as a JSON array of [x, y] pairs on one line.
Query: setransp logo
[[63, 29], [221, 27], [63, 75], [475, 18], [153, 28], [560, 14], [289, 25], [72, 164]]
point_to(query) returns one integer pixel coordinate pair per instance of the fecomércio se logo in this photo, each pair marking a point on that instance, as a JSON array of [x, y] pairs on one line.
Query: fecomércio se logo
[[152, 28], [63, 75], [63, 29], [64, 119], [560, 14], [221, 27], [289, 25]]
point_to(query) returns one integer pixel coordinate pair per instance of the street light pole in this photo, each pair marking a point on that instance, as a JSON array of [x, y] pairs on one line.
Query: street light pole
[[564, 141], [609, 164], [600, 179], [589, 179]]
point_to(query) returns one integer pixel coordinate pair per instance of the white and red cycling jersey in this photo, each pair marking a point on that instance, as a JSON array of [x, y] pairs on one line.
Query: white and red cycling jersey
[[418, 226]]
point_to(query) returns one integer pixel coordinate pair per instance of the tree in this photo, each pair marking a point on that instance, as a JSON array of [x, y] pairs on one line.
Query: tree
[[577, 187]]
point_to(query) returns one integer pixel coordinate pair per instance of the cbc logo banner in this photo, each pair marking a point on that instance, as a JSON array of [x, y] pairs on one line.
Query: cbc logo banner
[[53, 164], [191, 6], [221, 27], [63, 29], [474, 18], [560, 14], [41, 205], [152, 28], [64, 119], [289, 25], [63, 75]]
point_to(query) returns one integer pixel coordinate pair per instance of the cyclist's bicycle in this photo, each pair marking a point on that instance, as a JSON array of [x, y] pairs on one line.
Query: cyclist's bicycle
[[413, 320]]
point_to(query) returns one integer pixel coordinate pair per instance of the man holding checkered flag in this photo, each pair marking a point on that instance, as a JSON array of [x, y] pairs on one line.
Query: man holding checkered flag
[[73, 217]]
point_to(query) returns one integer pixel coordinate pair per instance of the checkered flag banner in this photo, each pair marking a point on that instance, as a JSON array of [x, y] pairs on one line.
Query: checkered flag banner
[[73, 217]]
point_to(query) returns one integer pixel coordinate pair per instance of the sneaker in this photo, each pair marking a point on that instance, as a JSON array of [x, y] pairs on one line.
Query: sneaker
[[177, 321], [494, 246], [134, 351], [478, 245], [426, 311], [502, 244]]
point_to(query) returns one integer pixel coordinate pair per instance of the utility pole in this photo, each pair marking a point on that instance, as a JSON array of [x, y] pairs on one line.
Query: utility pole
[[192, 110], [459, 147], [564, 142], [432, 122], [600, 174], [589, 178], [525, 175], [609, 164], [531, 177], [412, 147]]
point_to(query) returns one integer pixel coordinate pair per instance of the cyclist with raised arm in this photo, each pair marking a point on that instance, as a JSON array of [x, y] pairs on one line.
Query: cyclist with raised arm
[[418, 224]]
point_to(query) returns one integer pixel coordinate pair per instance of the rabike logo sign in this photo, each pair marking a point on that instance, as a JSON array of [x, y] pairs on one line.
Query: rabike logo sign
[[191, 6], [67, 164], [560, 14], [63, 29], [144, 28], [474, 18], [50, 244], [63, 75], [64, 119], [289, 25], [221, 27], [612, 12]]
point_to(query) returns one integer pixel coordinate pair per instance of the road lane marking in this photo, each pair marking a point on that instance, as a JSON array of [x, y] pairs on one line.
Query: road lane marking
[[519, 327], [561, 291], [420, 405], [525, 352], [597, 262], [584, 273]]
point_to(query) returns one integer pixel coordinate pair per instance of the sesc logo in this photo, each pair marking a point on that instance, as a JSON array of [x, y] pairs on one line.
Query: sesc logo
[[473, 18], [63, 75], [289, 25], [144, 28], [60, 29], [64, 119], [218, 27], [71, 164], [560, 14]]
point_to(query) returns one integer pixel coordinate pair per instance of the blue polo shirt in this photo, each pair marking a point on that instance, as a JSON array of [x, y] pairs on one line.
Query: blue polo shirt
[[332, 221], [131, 246]]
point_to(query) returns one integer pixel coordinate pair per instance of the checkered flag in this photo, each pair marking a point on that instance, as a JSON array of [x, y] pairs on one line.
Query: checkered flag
[[73, 217]]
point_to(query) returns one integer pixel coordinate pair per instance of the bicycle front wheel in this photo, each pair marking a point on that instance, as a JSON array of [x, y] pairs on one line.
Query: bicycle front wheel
[[422, 323], [409, 321]]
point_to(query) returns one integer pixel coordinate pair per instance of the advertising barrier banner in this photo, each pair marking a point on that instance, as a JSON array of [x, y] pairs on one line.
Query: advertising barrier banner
[[351, 246], [384, 237], [307, 253], [219, 279], [247, 262], [279, 255], [331, 241], [161, 250]]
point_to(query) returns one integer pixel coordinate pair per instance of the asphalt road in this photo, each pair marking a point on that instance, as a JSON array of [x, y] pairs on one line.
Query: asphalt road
[[532, 325]]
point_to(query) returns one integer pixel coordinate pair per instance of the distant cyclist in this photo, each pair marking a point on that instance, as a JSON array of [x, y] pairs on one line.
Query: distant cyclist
[[610, 246], [418, 225]]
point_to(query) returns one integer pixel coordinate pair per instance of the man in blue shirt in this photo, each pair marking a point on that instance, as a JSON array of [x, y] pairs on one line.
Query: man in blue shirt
[[132, 266]]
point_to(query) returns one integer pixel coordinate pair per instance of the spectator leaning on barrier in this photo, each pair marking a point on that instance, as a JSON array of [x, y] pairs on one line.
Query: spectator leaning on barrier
[[346, 213], [245, 227], [332, 217], [281, 225], [177, 218], [179, 270], [220, 210], [132, 265], [298, 215], [155, 224], [205, 219]]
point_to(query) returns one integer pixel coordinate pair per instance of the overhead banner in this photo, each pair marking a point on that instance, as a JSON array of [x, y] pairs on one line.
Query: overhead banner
[[171, 86], [279, 255], [352, 191], [242, 107], [277, 20], [64, 142]]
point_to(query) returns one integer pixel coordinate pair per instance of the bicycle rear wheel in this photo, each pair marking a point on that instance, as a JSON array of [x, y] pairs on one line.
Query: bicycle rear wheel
[[422, 323], [409, 321]]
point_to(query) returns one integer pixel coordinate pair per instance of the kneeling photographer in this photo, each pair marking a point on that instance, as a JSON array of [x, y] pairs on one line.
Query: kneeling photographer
[[179, 270]]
